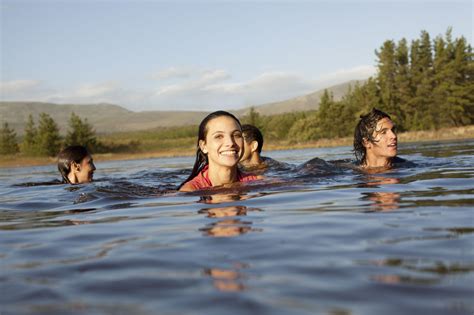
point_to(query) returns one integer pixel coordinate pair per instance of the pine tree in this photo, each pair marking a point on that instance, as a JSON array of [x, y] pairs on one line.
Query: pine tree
[[386, 76], [421, 70], [29, 140], [325, 116], [80, 133], [48, 139], [8, 144], [461, 101], [403, 91]]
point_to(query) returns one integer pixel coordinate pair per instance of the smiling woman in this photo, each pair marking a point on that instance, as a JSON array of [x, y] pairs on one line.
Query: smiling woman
[[219, 148]]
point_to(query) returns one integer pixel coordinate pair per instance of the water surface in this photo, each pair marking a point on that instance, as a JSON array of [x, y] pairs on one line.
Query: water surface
[[315, 242]]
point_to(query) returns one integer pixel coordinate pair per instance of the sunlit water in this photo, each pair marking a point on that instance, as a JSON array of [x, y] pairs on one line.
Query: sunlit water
[[313, 242]]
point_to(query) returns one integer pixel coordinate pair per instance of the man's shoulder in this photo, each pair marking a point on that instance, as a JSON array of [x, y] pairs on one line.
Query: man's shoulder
[[272, 163], [401, 162]]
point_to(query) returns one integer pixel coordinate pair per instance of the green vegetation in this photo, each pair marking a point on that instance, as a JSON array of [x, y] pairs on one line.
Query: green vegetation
[[80, 132], [427, 85], [45, 139], [8, 143]]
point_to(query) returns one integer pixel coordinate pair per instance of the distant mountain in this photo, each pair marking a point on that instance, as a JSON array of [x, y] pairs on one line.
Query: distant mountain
[[301, 103], [106, 118]]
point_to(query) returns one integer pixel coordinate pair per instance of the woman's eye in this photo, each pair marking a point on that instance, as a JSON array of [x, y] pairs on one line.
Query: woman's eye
[[237, 135], [218, 136]]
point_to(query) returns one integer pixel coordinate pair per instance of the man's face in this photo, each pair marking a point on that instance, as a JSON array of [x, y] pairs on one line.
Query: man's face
[[385, 144]]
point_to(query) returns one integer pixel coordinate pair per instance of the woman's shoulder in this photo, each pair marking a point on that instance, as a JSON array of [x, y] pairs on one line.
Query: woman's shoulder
[[188, 186], [200, 181]]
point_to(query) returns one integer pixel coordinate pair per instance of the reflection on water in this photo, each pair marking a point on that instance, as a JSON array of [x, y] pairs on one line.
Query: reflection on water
[[227, 227], [383, 201], [228, 280], [313, 239]]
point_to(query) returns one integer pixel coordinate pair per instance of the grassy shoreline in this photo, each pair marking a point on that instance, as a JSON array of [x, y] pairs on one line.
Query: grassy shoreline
[[455, 133]]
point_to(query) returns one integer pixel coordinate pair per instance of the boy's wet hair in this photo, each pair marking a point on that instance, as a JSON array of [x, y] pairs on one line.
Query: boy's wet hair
[[252, 133], [364, 130]]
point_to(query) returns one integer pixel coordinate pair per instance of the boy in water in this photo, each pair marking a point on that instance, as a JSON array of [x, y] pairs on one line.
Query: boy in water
[[251, 159], [375, 142]]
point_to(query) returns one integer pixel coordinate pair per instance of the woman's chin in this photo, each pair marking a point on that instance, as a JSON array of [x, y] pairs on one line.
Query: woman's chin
[[228, 161]]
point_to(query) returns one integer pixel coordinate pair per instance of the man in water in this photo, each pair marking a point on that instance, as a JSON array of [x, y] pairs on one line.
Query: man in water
[[252, 160], [375, 142]]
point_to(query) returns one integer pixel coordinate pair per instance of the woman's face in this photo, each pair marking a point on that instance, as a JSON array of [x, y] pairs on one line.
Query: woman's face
[[85, 170], [224, 142]]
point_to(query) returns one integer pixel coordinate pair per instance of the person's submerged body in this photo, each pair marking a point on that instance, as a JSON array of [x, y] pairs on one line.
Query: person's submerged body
[[252, 160], [219, 149]]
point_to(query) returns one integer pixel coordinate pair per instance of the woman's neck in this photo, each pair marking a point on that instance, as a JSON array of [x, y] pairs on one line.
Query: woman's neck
[[221, 175]]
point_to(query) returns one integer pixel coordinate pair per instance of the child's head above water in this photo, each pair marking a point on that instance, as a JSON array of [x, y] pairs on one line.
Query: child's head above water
[[76, 165]]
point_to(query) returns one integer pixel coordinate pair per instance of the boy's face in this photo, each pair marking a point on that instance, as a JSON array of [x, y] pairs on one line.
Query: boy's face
[[385, 136], [247, 150]]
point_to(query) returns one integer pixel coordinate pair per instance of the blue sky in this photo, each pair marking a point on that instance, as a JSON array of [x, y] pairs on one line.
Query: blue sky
[[202, 55]]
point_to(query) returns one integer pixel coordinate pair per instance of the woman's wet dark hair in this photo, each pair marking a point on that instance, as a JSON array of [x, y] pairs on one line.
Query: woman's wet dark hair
[[252, 133], [74, 153], [364, 130], [201, 158]]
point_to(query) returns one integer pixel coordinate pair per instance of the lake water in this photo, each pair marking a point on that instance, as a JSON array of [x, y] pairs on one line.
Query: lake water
[[315, 242]]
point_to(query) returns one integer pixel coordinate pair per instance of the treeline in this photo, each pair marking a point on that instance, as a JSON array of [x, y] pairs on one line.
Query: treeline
[[44, 139], [426, 85]]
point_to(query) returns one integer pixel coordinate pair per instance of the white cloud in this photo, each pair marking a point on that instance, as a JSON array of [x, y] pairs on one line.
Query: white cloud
[[18, 86], [344, 75], [173, 73], [96, 90], [209, 89], [210, 92]]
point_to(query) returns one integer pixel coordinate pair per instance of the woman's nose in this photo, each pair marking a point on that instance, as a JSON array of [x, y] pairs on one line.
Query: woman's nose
[[229, 140]]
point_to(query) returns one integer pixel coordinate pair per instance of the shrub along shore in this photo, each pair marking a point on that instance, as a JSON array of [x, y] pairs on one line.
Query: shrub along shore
[[444, 134]]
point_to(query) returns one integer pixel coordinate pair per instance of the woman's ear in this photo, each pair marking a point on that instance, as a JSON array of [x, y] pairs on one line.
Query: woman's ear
[[202, 146]]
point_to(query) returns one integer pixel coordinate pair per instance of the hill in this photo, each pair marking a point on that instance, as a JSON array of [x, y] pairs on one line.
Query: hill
[[105, 118], [108, 118], [301, 103]]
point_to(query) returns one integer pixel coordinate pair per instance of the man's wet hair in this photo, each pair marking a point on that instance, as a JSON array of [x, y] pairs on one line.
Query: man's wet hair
[[364, 130], [252, 133]]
